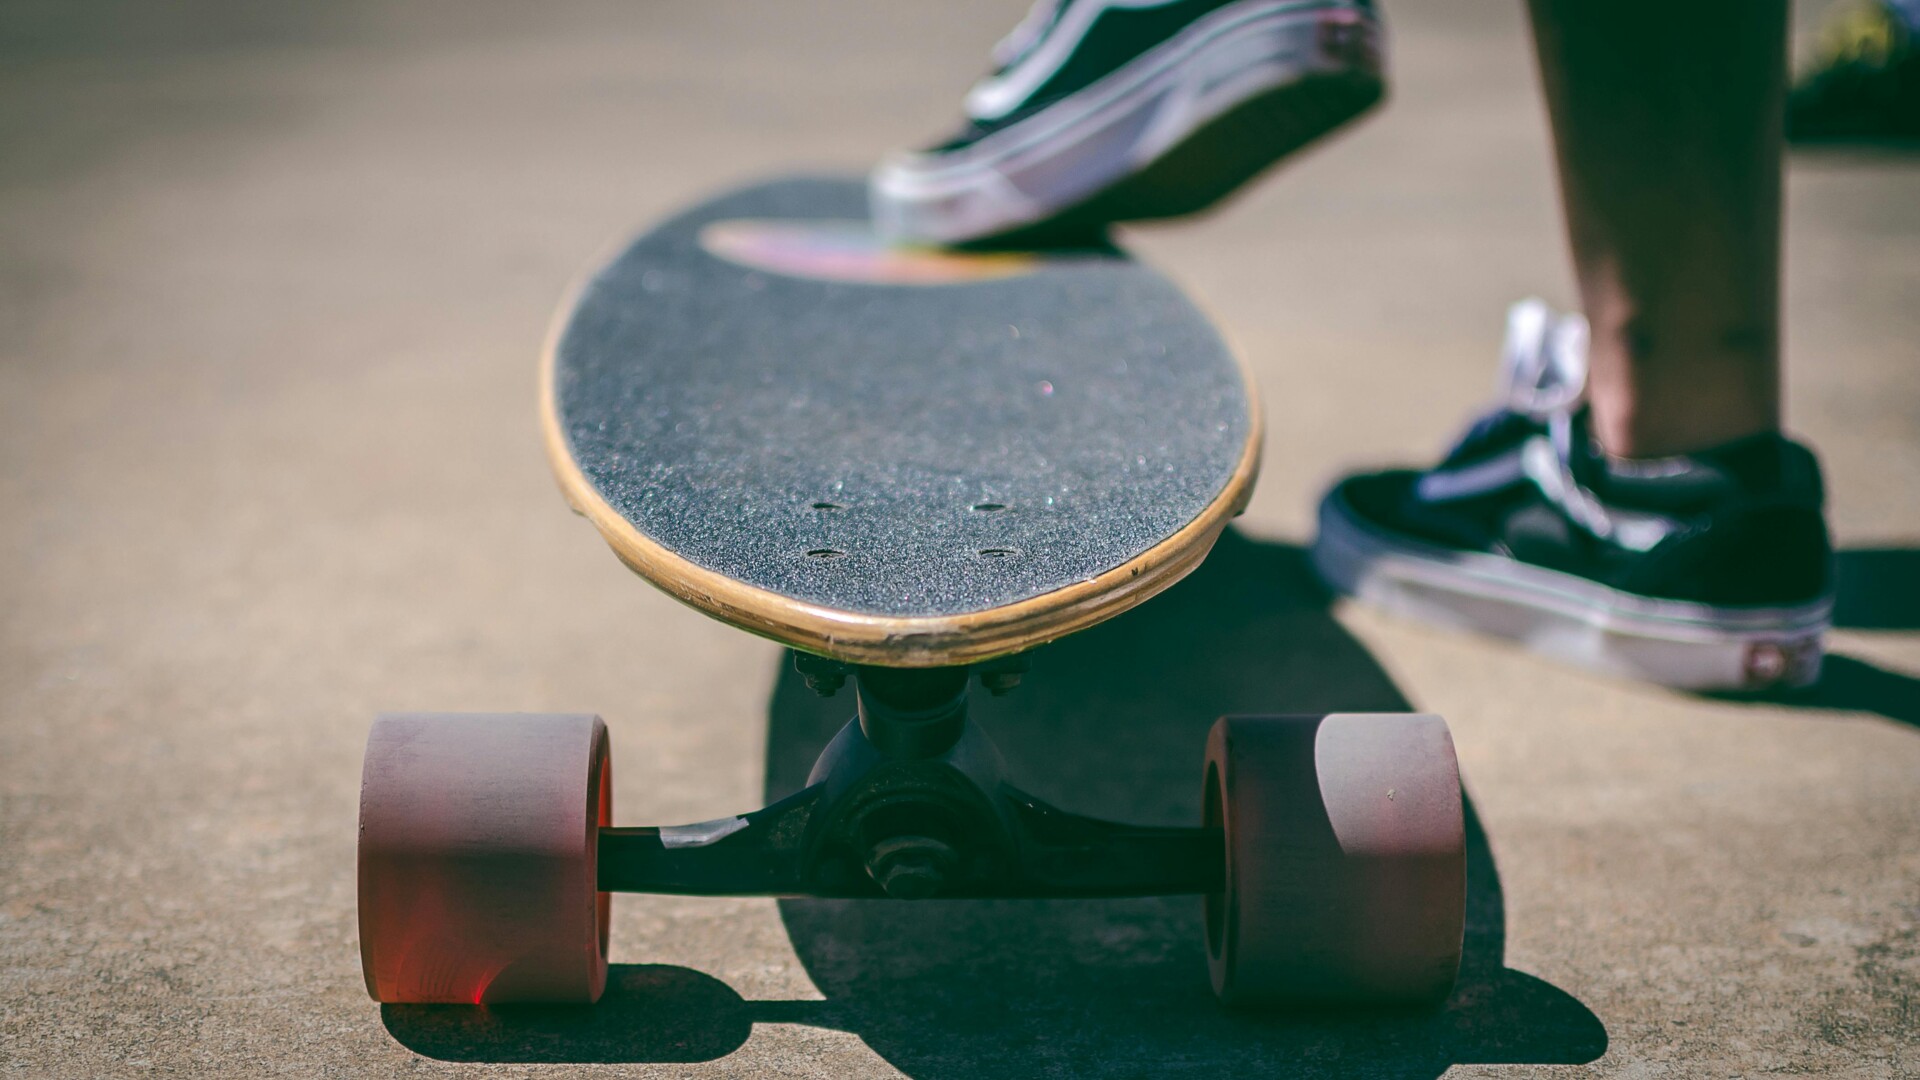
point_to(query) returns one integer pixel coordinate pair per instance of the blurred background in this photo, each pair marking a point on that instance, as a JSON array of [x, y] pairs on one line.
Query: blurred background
[[273, 281]]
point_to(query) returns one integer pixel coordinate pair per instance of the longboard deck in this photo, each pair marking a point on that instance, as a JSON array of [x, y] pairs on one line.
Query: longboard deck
[[891, 456]]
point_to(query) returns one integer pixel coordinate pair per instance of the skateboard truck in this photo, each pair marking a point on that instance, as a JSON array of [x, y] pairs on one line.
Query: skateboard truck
[[909, 801], [824, 676], [1330, 847]]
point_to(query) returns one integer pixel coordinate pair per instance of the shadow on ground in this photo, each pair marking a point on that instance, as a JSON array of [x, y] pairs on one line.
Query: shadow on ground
[[1112, 722], [651, 1012], [1875, 589]]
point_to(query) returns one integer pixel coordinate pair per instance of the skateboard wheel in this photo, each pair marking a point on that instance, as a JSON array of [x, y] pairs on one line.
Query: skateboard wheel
[[479, 836], [1345, 859]]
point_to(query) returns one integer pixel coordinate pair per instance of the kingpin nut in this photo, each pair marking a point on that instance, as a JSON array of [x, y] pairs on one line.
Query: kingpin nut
[[911, 867]]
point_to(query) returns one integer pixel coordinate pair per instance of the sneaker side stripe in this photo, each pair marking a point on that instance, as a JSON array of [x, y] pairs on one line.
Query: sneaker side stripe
[[1499, 575], [1632, 530], [1470, 481], [994, 97], [1674, 642]]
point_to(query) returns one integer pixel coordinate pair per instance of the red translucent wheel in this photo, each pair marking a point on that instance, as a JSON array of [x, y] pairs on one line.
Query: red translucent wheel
[[478, 868], [1346, 859]]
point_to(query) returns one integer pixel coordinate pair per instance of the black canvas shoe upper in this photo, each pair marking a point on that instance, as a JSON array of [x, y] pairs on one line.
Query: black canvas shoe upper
[[1065, 46], [1104, 111], [1739, 525]]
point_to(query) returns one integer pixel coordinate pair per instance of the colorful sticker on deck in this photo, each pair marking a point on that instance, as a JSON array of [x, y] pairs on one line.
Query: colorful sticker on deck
[[849, 251]]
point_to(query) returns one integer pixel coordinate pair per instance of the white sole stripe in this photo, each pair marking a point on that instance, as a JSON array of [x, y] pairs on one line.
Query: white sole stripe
[[1676, 643]]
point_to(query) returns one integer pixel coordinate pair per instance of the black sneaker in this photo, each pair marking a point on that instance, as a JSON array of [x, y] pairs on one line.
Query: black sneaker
[[1114, 110], [1865, 83], [1708, 571]]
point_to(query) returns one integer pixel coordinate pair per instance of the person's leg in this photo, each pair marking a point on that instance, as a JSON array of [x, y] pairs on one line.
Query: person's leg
[[1630, 505], [1667, 123]]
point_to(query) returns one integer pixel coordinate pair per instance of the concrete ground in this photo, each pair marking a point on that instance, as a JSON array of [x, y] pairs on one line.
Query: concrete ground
[[272, 283]]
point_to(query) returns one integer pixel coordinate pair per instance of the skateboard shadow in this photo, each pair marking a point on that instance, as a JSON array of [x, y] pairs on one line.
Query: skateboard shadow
[[1113, 722]]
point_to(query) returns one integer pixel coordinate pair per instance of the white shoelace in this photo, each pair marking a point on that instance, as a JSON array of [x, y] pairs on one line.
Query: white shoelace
[[1543, 364], [1543, 375]]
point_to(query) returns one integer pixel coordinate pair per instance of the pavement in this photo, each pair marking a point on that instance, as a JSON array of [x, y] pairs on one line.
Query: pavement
[[273, 279]]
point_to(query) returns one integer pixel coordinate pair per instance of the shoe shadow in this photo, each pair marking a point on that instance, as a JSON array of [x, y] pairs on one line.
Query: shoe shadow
[[1847, 684], [1113, 721], [1874, 589], [1877, 589]]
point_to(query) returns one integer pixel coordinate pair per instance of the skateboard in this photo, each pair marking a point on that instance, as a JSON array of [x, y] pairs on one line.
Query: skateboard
[[913, 467]]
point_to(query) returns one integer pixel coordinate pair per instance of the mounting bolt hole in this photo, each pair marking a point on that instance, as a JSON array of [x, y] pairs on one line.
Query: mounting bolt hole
[[825, 553], [997, 553], [988, 508]]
